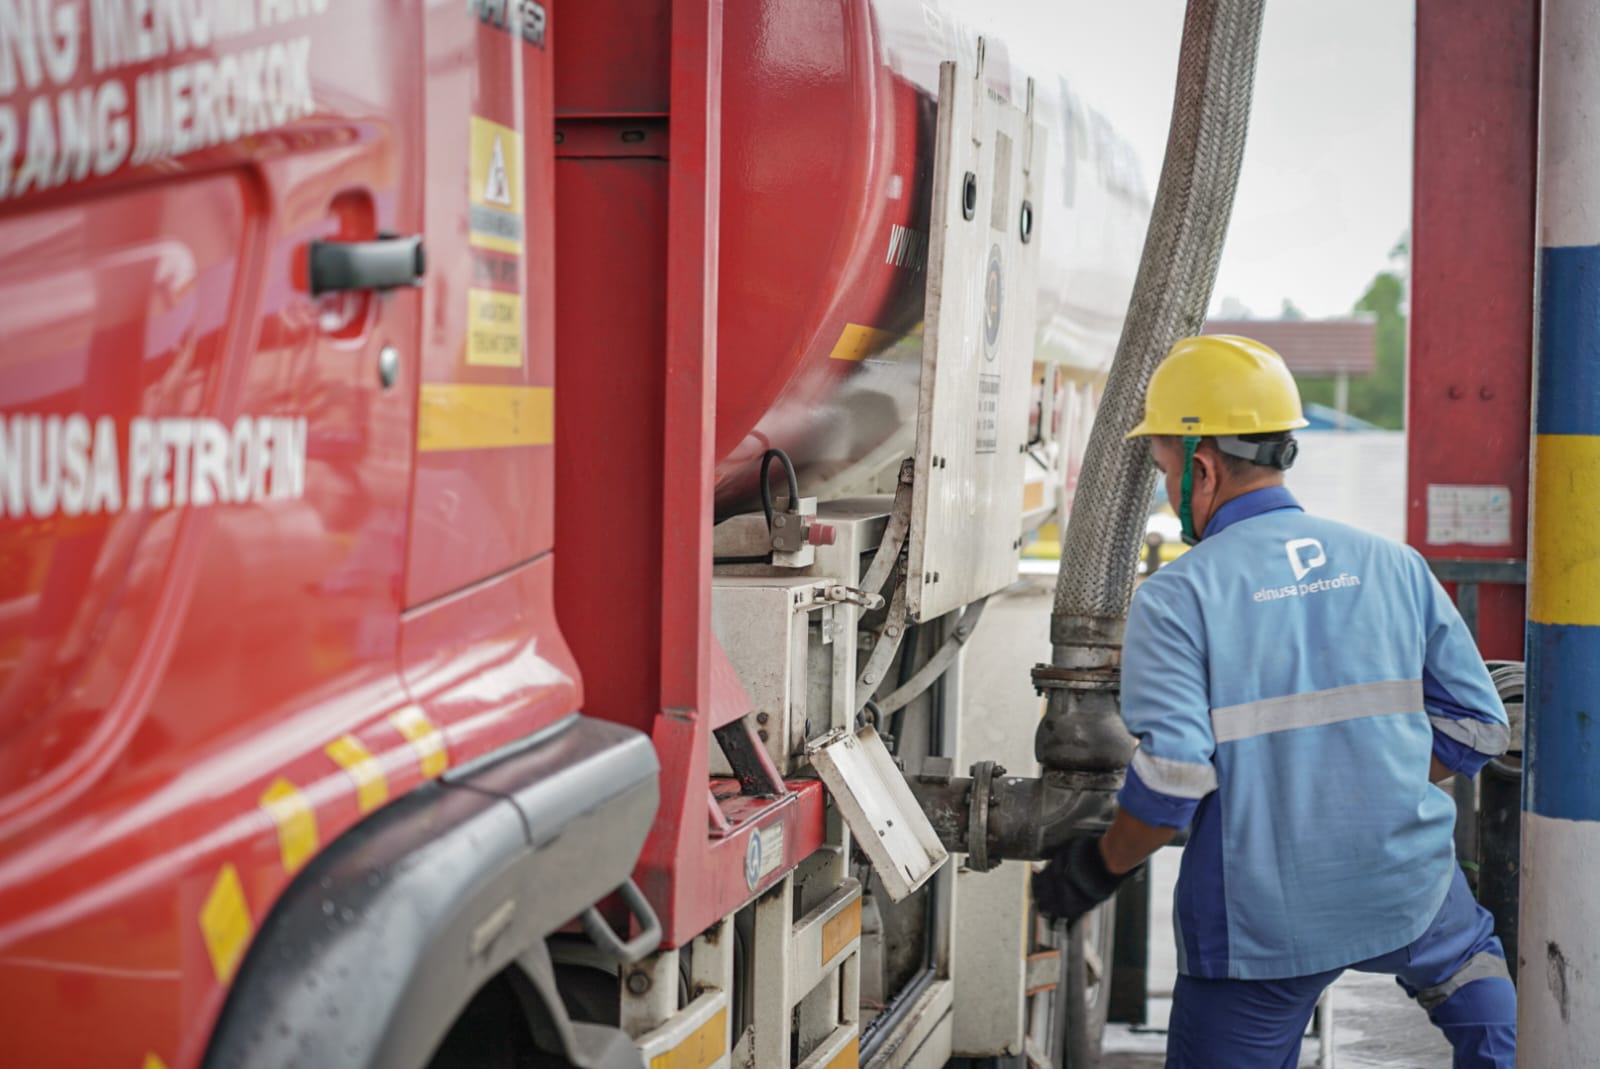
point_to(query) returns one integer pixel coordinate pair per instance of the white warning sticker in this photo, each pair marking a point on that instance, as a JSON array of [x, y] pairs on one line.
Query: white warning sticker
[[497, 187], [1469, 515]]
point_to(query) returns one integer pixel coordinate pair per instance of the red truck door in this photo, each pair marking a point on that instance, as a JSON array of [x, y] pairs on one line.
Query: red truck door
[[207, 433]]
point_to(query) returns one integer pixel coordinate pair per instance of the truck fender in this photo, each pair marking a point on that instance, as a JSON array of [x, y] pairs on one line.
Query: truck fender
[[372, 952]]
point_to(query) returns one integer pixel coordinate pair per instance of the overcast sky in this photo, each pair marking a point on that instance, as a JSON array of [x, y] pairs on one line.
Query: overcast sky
[[1326, 188]]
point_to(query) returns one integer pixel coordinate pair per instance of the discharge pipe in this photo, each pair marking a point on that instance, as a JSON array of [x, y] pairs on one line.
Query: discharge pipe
[[1081, 741], [1081, 734]]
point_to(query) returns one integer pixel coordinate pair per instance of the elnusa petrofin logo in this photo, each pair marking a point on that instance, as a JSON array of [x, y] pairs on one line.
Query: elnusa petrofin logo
[[1306, 555]]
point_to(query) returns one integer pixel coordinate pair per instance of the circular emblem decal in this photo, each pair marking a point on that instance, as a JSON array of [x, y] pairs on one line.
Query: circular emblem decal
[[993, 298], [752, 861]]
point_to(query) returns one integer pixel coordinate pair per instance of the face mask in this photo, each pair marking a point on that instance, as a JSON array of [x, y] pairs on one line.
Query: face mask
[[1185, 503]]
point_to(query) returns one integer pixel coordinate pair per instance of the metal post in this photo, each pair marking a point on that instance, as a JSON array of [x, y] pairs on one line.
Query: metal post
[[1559, 1013], [1341, 399], [1130, 952]]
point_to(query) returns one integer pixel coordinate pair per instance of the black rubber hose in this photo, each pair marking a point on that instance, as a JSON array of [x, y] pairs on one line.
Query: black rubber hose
[[766, 484], [766, 502], [908, 665]]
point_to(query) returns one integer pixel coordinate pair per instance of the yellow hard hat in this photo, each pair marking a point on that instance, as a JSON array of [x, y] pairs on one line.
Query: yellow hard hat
[[1220, 384]]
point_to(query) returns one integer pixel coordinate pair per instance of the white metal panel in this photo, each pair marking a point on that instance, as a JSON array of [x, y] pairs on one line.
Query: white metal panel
[[807, 965], [762, 624], [700, 1027], [977, 353], [835, 1052], [880, 809], [656, 1004], [923, 1039], [999, 711]]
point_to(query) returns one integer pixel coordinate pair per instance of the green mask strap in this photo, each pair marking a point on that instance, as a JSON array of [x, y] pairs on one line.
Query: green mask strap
[[1186, 505]]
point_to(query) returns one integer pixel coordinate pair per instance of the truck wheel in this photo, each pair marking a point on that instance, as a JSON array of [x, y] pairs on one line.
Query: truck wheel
[[1083, 994], [492, 1033]]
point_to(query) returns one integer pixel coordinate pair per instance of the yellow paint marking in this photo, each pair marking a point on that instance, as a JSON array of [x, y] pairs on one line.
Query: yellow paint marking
[[839, 930], [296, 821], [424, 738], [849, 1058], [153, 1061], [463, 416], [1564, 567], [225, 923], [702, 1047], [857, 342], [491, 242], [372, 789], [494, 329]]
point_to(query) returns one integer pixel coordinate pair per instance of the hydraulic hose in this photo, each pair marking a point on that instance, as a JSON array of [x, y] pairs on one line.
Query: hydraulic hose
[[1210, 114]]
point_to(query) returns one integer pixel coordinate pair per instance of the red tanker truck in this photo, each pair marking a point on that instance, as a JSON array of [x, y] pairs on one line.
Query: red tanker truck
[[493, 498]]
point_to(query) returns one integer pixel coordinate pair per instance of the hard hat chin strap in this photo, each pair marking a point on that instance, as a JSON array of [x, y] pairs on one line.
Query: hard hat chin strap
[[1186, 502]]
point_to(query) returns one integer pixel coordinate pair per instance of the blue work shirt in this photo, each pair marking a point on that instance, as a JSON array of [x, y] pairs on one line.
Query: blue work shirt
[[1288, 680]]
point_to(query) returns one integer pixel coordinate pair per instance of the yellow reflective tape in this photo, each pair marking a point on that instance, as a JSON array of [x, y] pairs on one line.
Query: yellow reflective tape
[[225, 923], [372, 789], [494, 329], [496, 173], [849, 1058], [702, 1047], [1564, 567], [857, 342], [296, 821], [469, 416], [153, 1061], [839, 930], [425, 739]]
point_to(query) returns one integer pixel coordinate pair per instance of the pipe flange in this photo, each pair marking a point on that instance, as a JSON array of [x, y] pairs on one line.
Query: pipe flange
[[983, 774], [1049, 677]]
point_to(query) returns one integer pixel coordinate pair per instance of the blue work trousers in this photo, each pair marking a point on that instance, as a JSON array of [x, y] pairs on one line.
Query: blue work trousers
[[1455, 970]]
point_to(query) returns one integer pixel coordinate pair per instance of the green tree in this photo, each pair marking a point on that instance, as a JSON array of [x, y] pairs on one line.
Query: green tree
[[1381, 396]]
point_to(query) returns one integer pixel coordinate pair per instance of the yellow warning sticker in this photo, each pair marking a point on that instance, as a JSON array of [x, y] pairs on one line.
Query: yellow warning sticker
[[225, 923], [1032, 495], [296, 821], [494, 328], [495, 190], [455, 415], [425, 739], [849, 1058], [840, 929], [857, 342], [372, 789], [700, 1048]]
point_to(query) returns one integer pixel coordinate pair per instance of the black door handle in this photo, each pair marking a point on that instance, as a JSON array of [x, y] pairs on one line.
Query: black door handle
[[366, 265]]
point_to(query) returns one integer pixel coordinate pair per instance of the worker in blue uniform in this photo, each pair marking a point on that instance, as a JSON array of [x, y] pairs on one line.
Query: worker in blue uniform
[[1297, 689]]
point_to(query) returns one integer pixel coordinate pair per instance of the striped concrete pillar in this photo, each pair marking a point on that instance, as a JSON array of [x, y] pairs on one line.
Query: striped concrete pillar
[[1559, 930]]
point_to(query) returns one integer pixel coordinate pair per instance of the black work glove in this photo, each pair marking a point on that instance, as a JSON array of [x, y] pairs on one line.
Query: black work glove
[[1075, 881]]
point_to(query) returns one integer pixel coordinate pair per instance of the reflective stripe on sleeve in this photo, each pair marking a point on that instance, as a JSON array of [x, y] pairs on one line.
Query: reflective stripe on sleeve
[[1480, 735], [1180, 779], [1316, 708]]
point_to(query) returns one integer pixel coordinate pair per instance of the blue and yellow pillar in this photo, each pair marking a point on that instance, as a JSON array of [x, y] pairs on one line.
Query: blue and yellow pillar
[[1559, 927]]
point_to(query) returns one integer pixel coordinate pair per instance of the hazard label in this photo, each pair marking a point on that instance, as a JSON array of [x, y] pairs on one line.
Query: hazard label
[[495, 186], [494, 299]]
